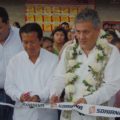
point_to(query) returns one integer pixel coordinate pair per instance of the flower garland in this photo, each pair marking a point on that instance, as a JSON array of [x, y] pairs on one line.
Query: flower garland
[[95, 77]]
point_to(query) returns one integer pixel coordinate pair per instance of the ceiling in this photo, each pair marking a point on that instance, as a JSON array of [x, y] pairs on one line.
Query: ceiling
[[104, 2]]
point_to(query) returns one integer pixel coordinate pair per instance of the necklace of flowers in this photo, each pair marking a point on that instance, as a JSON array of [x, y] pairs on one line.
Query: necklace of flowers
[[95, 77]]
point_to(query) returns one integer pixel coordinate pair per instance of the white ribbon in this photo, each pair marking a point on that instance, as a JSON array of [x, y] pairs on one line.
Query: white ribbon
[[92, 110]]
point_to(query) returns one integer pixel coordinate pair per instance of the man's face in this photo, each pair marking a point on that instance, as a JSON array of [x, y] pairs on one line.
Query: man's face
[[31, 43], [4, 30], [86, 34]]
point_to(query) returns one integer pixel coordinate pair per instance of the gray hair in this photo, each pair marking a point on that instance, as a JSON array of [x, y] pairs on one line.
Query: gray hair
[[88, 14]]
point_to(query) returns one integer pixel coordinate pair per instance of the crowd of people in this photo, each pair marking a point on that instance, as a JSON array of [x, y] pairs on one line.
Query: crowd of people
[[78, 64]]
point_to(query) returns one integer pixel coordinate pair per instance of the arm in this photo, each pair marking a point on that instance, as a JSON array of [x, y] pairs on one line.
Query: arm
[[65, 45], [111, 78], [10, 86], [58, 80]]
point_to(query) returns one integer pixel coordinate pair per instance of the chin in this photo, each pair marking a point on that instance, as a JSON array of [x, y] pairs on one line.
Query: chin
[[31, 53], [82, 45]]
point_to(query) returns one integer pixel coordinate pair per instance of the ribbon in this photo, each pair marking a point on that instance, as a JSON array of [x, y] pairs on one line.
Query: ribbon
[[86, 109]]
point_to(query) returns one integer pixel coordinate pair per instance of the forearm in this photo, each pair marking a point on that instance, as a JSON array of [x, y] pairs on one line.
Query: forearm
[[103, 94]]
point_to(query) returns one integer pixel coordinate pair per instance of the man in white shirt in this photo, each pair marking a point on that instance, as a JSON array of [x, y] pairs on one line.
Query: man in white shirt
[[10, 45], [29, 75], [88, 68]]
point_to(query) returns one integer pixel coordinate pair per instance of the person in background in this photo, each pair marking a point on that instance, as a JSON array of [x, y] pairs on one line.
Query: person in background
[[71, 34], [106, 26], [86, 78], [116, 42], [71, 37], [59, 36], [117, 29], [65, 25], [10, 45], [111, 35], [29, 75], [47, 43], [16, 24]]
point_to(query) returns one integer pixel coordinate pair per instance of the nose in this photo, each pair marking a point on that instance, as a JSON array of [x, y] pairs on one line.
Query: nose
[[29, 45], [60, 37], [80, 36]]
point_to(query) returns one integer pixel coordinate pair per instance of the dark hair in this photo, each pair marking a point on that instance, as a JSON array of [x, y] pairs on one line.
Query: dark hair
[[112, 33], [64, 23], [115, 40], [31, 27], [4, 15], [58, 29], [88, 14], [106, 23], [47, 39], [17, 24]]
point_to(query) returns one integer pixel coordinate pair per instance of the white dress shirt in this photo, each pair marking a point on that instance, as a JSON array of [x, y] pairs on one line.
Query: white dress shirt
[[104, 93], [23, 76], [11, 47]]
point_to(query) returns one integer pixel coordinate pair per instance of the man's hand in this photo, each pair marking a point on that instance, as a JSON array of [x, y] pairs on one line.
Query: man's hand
[[54, 99], [81, 101], [25, 97], [35, 98]]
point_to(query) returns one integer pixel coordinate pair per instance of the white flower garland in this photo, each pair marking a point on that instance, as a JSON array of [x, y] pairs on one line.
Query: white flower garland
[[95, 77]]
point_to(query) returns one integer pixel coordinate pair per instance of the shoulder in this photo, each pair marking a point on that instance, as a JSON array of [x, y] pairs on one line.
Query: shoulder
[[14, 35], [68, 47], [50, 60], [18, 58], [115, 55], [50, 56], [114, 49], [107, 45], [14, 38], [15, 30]]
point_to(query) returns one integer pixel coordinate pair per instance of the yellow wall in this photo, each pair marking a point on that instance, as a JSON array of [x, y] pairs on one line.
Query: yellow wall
[[16, 10]]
